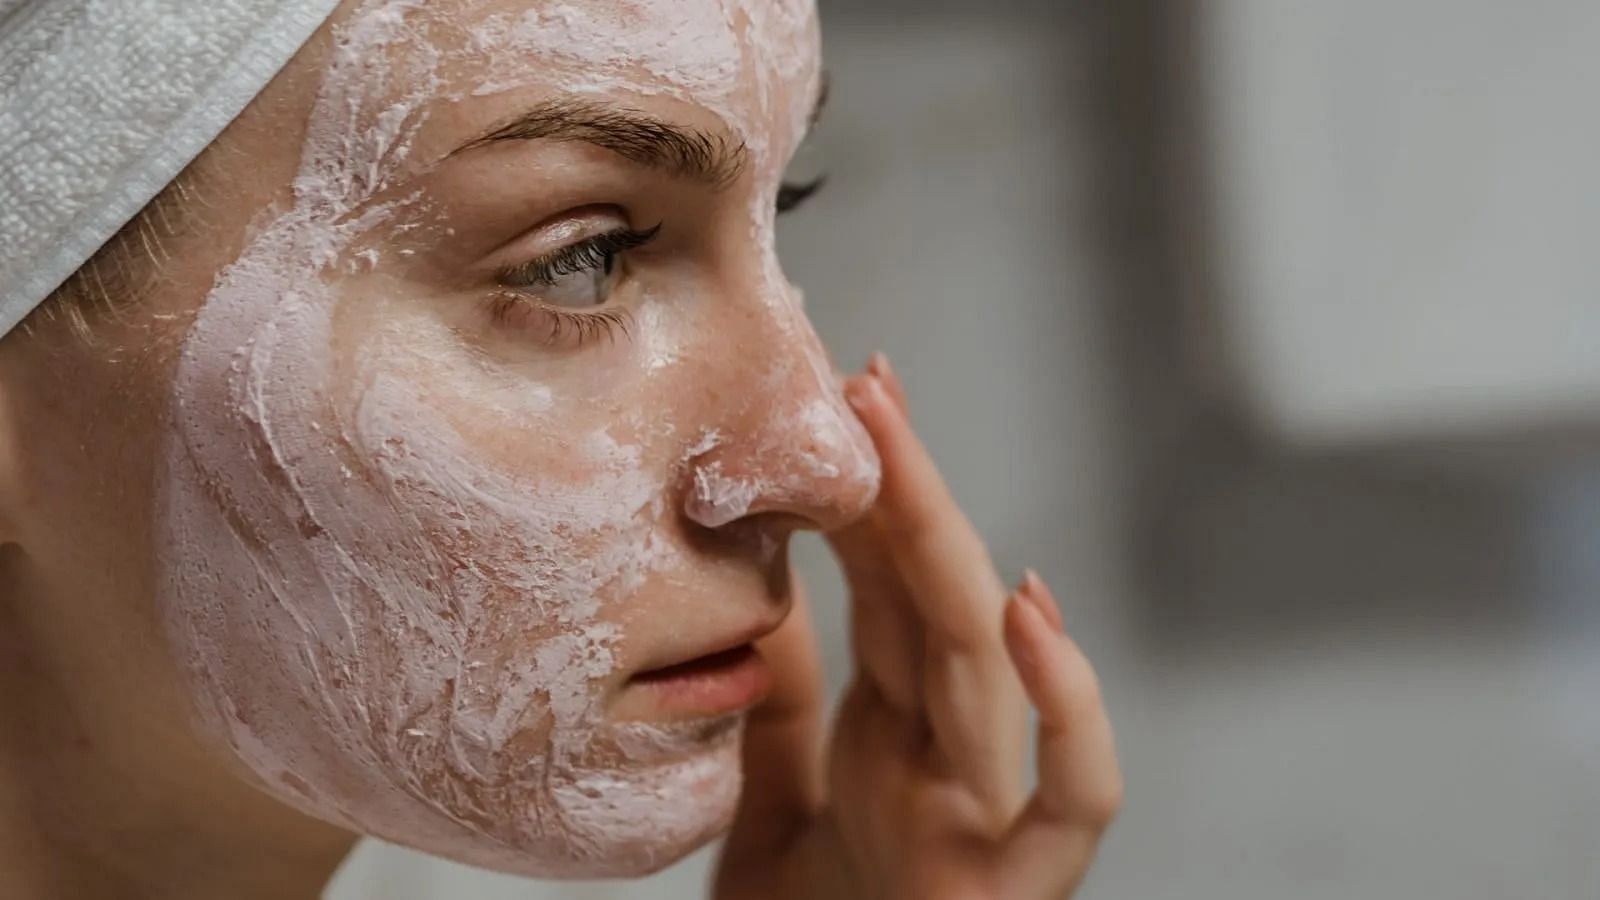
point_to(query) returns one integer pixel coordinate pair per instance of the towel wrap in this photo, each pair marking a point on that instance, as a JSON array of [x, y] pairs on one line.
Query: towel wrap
[[104, 102]]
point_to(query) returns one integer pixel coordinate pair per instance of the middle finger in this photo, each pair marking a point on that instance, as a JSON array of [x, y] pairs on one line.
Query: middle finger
[[935, 548]]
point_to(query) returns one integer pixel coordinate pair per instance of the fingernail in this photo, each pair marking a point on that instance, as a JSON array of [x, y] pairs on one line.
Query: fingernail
[[889, 373], [1016, 638], [1031, 583], [864, 393], [879, 364], [1034, 589]]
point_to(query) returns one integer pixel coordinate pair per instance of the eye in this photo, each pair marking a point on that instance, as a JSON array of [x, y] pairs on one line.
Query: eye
[[562, 296], [580, 275]]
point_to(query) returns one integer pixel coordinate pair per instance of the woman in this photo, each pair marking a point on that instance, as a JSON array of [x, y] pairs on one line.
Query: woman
[[420, 463]]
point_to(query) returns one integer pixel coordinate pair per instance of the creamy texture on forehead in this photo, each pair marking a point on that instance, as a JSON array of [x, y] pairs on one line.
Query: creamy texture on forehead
[[394, 629]]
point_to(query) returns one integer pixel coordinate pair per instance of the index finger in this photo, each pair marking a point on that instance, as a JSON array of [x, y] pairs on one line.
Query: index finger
[[970, 695], [945, 564]]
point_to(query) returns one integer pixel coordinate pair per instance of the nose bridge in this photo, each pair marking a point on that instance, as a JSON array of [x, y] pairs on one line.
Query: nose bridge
[[793, 446]]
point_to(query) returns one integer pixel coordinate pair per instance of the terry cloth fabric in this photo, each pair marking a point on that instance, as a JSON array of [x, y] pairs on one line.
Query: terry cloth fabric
[[104, 102]]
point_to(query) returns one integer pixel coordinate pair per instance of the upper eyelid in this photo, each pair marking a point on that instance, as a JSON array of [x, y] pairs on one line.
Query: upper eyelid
[[790, 196], [617, 240], [554, 234], [572, 226]]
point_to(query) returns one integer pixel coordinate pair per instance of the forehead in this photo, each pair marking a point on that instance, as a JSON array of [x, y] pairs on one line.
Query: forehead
[[751, 65]]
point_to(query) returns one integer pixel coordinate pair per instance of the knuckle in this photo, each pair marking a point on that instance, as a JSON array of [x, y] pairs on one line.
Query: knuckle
[[918, 532]]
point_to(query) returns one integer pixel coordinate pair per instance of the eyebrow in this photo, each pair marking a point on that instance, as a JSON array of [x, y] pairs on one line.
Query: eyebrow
[[710, 157], [706, 156]]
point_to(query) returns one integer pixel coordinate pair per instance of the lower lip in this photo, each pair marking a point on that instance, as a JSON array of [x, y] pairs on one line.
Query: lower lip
[[716, 684]]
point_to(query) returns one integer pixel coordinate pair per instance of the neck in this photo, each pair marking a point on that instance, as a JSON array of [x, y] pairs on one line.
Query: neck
[[103, 798]]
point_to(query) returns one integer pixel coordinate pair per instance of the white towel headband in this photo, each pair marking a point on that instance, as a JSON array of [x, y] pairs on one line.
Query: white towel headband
[[104, 102]]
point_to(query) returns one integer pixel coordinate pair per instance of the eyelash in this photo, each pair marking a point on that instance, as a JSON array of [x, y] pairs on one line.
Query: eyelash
[[600, 251], [791, 196], [586, 255]]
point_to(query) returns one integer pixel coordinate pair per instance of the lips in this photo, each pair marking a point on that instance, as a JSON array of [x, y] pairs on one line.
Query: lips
[[700, 666], [715, 683]]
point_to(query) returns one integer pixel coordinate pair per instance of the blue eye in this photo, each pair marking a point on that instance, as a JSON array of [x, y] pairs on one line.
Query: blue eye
[[580, 275]]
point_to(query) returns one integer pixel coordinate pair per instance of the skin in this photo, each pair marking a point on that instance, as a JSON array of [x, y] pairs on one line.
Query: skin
[[111, 785]]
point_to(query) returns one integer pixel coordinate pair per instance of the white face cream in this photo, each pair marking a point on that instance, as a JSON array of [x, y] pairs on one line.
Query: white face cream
[[408, 577]]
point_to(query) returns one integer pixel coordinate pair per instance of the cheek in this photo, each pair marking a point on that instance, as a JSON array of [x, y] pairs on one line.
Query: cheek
[[393, 609]]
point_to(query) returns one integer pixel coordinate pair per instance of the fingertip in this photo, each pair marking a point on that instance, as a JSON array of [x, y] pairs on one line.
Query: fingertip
[[1039, 594], [1023, 626], [882, 419], [1031, 580], [864, 393], [892, 384]]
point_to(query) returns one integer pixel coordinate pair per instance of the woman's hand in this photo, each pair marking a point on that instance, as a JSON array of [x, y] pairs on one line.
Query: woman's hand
[[919, 795]]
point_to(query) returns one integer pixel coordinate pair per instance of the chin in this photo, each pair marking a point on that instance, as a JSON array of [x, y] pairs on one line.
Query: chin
[[644, 803]]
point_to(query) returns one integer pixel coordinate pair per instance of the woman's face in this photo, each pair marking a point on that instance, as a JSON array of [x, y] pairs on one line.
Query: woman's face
[[505, 402]]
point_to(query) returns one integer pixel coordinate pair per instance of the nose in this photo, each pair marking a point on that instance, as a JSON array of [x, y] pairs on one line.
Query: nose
[[791, 446]]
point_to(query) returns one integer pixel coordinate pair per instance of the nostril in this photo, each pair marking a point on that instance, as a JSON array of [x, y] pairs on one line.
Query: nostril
[[760, 536], [717, 498]]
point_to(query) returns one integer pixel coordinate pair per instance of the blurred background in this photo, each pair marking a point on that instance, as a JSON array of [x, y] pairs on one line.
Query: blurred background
[[1269, 331]]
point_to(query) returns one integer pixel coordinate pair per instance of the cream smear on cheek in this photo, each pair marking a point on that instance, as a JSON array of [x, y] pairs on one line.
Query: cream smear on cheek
[[392, 629]]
